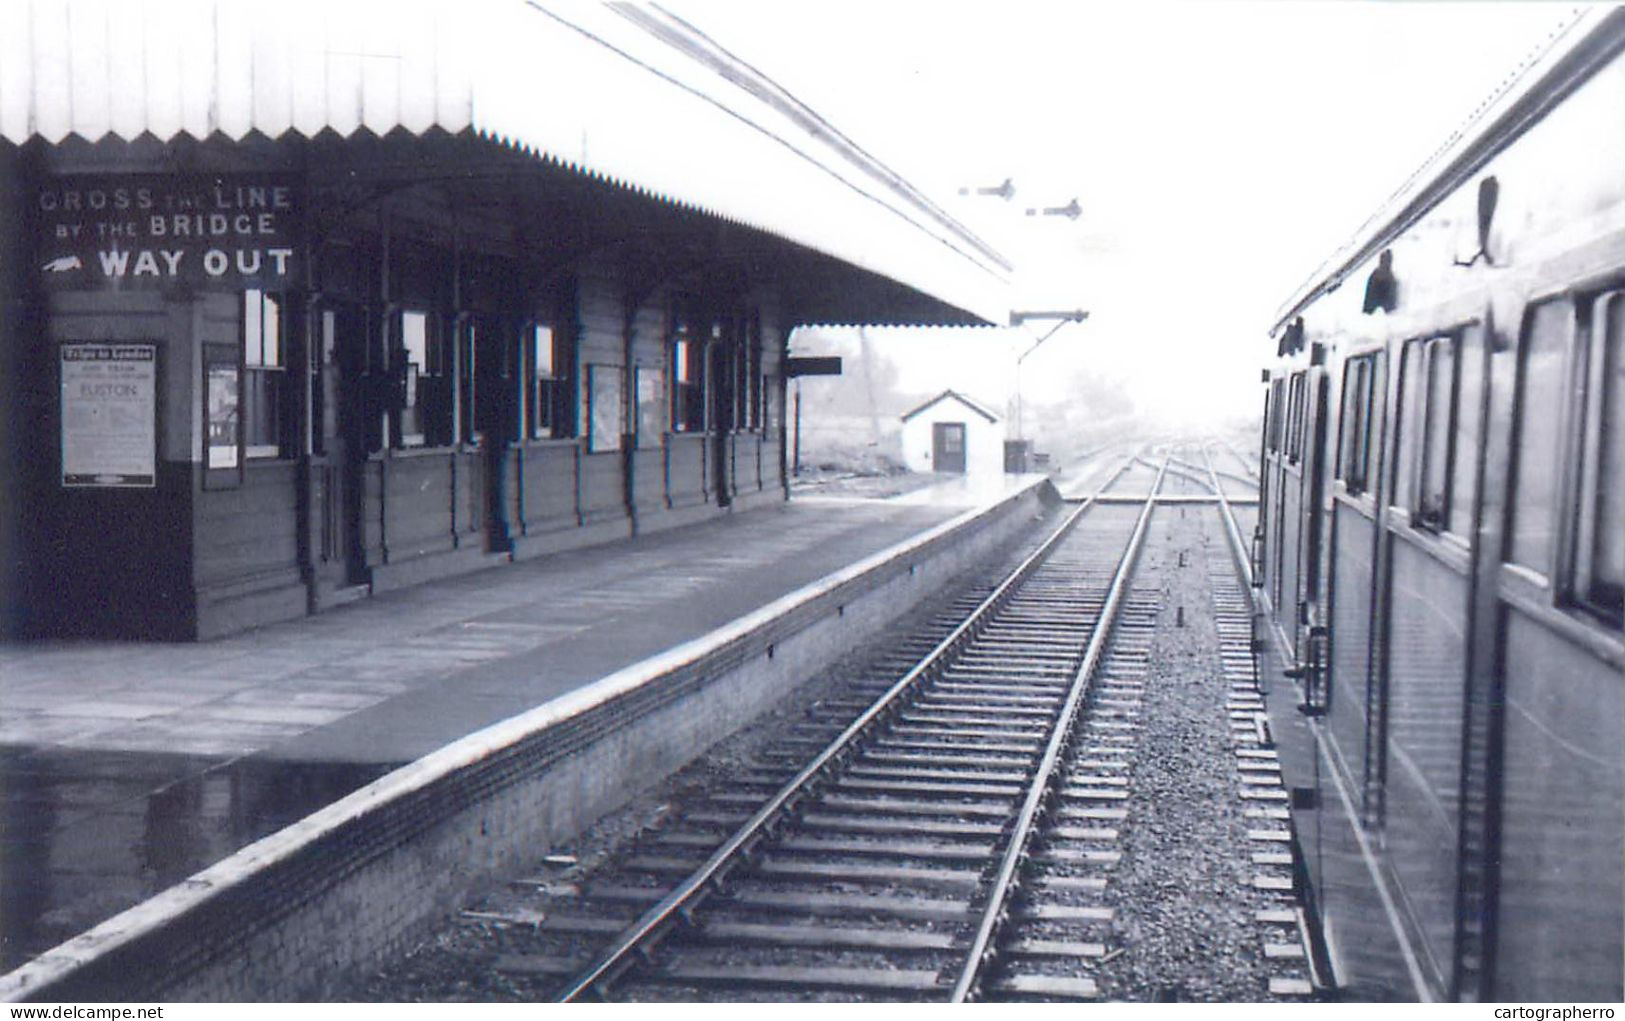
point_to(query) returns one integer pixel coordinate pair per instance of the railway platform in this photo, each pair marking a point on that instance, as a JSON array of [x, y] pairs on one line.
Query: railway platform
[[127, 767]]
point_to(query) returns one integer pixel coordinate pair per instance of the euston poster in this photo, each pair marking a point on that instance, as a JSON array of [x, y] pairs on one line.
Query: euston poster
[[147, 231], [109, 415]]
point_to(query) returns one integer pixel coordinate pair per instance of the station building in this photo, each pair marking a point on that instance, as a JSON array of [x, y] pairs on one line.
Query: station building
[[307, 302]]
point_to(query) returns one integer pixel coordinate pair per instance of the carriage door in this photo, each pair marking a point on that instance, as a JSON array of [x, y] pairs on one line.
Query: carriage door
[[948, 447], [1284, 558], [1311, 534]]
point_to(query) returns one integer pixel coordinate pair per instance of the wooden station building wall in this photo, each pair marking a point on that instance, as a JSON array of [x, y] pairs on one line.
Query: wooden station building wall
[[367, 364]]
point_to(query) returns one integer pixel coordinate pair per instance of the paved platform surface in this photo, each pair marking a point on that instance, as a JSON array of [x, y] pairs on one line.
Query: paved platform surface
[[126, 767]]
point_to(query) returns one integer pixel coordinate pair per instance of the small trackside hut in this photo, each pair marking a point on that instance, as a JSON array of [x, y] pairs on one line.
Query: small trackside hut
[[307, 302], [952, 434]]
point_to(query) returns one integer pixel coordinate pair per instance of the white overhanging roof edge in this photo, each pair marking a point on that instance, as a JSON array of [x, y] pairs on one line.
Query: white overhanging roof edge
[[629, 94]]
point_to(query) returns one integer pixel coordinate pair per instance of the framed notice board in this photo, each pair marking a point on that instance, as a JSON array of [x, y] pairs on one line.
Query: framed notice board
[[109, 406], [606, 409], [651, 415], [222, 416]]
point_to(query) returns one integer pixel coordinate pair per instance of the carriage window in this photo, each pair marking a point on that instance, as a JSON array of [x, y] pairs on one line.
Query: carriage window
[[1468, 431], [1412, 388], [1273, 432], [1539, 427], [1294, 428], [1600, 538], [264, 375], [1354, 452], [1438, 430]]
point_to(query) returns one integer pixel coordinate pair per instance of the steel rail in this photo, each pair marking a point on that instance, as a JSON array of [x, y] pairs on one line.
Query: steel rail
[[995, 912], [1209, 469], [1190, 474], [683, 897], [1231, 529], [1253, 477]]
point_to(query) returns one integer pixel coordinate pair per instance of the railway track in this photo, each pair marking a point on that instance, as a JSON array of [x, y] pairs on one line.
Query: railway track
[[941, 844], [1014, 801]]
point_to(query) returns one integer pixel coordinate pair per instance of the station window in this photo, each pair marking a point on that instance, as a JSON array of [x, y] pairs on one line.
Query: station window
[[1599, 554], [739, 355], [1548, 333], [264, 375], [550, 397], [687, 376], [1354, 451], [473, 408], [744, 357], [425, 398], [756, 420]]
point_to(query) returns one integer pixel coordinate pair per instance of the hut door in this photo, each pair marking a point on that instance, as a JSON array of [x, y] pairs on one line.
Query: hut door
[[948, 447]]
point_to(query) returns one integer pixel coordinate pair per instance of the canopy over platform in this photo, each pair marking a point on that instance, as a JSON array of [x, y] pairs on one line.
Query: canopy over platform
[[626, 94]]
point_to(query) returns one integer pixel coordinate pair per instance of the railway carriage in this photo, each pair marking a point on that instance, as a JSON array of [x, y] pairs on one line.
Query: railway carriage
[[1441, 555]]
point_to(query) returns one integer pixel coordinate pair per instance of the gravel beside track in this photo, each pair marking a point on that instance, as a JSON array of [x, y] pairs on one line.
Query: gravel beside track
[[1186, 904]]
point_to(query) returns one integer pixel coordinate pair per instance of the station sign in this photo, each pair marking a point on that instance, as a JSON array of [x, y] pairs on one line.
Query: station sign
[[109, 415], [812, 366], [149, 231]]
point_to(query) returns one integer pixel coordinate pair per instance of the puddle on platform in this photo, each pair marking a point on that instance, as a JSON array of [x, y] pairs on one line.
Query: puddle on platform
[[87, 834]]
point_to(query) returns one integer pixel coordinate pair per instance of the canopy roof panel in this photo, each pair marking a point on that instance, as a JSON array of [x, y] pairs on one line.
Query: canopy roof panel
[[627, 93]]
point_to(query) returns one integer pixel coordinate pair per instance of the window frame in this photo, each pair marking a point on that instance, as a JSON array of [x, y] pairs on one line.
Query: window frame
[[687, 355], [417, 392], [1435, 467], [1551, 564], [1355, 440], [1424, 480], [1274, 411], [549, 400], [264, 386], [1596, 348], [1295, 416]]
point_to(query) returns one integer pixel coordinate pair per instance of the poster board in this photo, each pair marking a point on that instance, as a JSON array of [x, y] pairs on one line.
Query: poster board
[[222, 415], [651, 420], [606, 410], [109, 406]]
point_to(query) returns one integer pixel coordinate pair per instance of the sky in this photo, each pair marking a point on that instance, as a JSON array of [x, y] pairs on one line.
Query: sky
[[1220, 151]]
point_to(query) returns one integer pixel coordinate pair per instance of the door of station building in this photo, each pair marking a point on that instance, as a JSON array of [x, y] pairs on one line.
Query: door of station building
[[342, 410], [948, 447], [722, 414], [493, 355]]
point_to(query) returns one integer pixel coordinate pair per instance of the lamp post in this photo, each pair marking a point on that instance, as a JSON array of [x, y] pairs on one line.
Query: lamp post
[[1017, 319]]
